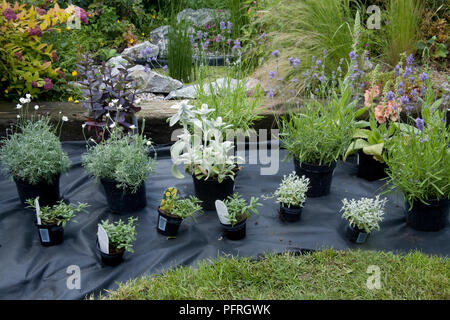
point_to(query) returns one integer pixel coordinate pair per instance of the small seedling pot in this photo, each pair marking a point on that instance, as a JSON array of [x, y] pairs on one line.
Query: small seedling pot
[[111, 259], [236, 232], [320, 177], [428, 217], [291, 214], [208, 191], [168, 225], [120, 200], [356, 235], [50, 235], [369, 168], [48, 193]]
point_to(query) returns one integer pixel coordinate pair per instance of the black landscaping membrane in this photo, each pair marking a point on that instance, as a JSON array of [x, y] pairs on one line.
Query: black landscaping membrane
[[30, 271]]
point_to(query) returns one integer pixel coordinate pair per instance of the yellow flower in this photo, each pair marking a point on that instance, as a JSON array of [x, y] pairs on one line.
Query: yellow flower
[[143, 34], [131, 40], [74, 73], [118, 21], [167, 194], [153, 16], [6, 90], [163, 201], [151, 40], [59, 30], [170, 189], [102, 43], [70, 99], [76, 101], [67, 28]]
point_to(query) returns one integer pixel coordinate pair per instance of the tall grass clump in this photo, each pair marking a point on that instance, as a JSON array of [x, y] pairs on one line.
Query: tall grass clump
[[304, 28], [403, 29]]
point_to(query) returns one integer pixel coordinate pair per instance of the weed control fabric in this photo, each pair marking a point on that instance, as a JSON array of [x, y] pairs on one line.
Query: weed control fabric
[[31, 271]]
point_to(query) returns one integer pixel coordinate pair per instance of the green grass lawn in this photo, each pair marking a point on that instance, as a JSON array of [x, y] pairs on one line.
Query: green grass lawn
[[325, 274]]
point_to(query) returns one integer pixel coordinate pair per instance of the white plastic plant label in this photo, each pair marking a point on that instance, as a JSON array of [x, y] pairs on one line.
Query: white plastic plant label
[[38, 212], [103, 240], [162, 223], [45, 237], [222, 212]]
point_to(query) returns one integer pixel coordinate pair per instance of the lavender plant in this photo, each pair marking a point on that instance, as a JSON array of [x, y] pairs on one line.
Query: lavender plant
[[109, 97], [31, 150], [365, 213]]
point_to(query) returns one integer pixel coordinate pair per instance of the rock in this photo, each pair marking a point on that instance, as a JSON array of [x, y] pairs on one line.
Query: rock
[[201, 17], [136, 52], [150, 81], [117, 62], [186, 92], [160, 38], [250, 86]]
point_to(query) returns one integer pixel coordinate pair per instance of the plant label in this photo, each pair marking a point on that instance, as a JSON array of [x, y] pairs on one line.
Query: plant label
[[222, 212], [103, 240], [162, 223], [38, 211], [361, 237], [45, 237]]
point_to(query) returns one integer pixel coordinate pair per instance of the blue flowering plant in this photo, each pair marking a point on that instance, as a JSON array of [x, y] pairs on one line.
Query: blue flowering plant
[[419, 157]]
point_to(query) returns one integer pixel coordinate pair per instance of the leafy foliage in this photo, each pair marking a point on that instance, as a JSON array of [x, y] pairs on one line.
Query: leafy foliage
[[59, 214], [292, 190], [123, 158], [121, 235], [319, 134], [33, 152], [183, 208], [365, 213], [27, 63], [239, 208]]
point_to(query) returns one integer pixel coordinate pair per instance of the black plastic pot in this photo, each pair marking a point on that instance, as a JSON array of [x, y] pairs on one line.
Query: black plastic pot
[[208, 191], [369, 168], [48, 193], [50, 235], [168, 225], [356, 235], [214, 61], [120, 200], [428, 217], [110, 259], [236, 232], [291, 214], [320, 177]]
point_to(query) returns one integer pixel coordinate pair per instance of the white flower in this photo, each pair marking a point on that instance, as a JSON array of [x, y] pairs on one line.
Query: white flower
[[36, 107], [65, 119], [83, 125], [23, 100], [115, 101], [28, 96], [112, 125], [132, 127], [137, 101], [18, 116], [19, 106], [108, 115], [120, 107], [149, 143]]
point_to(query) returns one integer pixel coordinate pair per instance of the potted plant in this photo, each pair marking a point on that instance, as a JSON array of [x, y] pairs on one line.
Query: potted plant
[[114, 238], [32, 155], [363, 216], [122, 165], [419, 166], [291, 195], [173, 210], [204, 155], [233, 214], [51, 220], [316, 137]]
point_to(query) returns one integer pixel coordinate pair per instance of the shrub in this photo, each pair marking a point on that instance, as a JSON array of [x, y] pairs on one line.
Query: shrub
[[123, 158], [292, 190], [183, 208], [365, 213], [59, 214], [26, 63], [120, 235], [320, 133], [32, 152], [239, 209]]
